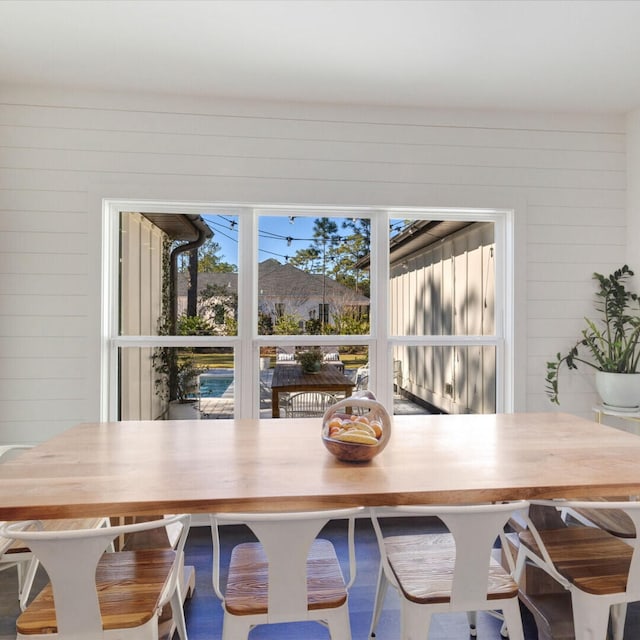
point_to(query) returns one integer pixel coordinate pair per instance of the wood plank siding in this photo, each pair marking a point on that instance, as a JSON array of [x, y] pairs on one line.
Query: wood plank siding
[[61, 152]]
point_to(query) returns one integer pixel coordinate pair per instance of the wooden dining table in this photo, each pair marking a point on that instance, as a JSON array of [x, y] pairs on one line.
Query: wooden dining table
[[290, 378], [199, 466]]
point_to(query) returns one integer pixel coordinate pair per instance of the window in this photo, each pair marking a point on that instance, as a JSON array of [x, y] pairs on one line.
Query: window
[[408, 300]]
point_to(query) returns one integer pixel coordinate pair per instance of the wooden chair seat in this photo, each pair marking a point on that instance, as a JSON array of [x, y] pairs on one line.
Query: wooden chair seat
[[247, 582], [456, 572], [17, 546], [591, 559], [129, 585], [409, 555], [615, 521]]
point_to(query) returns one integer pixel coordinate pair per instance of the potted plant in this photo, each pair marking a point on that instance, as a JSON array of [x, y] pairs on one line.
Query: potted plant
[[176, 381], [311, 360], [608, 344]]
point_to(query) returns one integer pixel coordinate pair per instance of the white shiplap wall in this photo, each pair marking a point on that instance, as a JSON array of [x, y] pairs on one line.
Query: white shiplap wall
[[61, 152]]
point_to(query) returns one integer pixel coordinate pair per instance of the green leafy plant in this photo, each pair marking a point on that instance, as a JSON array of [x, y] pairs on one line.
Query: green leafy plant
[[611, 342], [177, 374], [309, 359]]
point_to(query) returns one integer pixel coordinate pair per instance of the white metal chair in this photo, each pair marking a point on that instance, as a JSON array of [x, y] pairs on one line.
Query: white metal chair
[[93, 595], [331, 356], [600, 571], [289, 575], [308, 404], [14, 553], [362, 377], [444, 573]]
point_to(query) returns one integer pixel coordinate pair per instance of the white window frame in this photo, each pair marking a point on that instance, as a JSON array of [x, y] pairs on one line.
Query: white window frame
[[247, 343]]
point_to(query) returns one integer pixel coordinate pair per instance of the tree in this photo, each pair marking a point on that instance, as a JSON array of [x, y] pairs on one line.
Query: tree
[[287, 325], [306, 259], [209, 259]]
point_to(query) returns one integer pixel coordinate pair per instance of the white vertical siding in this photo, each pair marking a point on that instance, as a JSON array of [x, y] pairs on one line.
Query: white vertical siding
[[61, 152], [141, 268], [461, 302]]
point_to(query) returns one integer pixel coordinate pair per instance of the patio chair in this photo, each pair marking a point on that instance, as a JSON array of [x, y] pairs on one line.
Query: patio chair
[[441, 573], [285, 355], [95, 595], [289, 575], [308, 404], [15, 553], [362, 377], [601, 571], [331, 356]]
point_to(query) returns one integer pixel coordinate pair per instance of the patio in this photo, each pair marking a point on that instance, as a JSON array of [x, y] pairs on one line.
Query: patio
[[212, 408]]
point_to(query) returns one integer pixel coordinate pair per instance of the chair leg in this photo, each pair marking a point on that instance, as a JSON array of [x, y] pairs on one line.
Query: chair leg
[[590, 616], [473, 629], [415, 620], [618, 618], [381, 592], [26, 581], [512, 626], [235, 628], [178, 613], [339, 624]]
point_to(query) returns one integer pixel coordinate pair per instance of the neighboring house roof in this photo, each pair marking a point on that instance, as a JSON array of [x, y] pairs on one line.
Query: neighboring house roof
[[281, 281]]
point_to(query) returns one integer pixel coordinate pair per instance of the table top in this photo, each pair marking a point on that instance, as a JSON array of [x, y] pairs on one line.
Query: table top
[[291, 377], [200, 466]]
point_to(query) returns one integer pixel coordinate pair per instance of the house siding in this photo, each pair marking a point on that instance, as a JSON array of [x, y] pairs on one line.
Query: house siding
[[62, 151], [447, 289]]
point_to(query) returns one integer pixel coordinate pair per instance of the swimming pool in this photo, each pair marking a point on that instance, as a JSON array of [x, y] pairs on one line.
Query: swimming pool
[[214, 386]]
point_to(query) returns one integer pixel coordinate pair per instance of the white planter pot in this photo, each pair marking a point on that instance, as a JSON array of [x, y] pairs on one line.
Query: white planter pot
[[183, 410], [619, 390]]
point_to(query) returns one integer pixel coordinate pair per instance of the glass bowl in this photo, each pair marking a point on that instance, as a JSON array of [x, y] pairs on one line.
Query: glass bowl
[[357, 428]]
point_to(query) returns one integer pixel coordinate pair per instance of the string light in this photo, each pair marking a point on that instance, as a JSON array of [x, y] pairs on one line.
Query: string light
[[231, 225]]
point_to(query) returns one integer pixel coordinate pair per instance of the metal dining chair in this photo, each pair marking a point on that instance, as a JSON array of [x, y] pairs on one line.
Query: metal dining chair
[[15, 553], [445, 573], [308, 404], [93, 595], [288, 575], [601, 571]]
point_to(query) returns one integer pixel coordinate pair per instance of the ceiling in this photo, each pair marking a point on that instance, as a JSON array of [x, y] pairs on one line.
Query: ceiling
[[549, 55]]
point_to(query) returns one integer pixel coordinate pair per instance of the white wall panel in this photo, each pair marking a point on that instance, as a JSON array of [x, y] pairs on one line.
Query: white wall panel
[[33, 198], [60, 153]]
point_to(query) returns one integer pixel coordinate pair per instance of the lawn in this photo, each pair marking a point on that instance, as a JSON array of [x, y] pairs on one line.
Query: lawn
[[224, 360]]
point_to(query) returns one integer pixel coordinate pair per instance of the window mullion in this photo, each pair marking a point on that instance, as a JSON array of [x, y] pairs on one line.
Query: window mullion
[[246, 357], [380, 360]]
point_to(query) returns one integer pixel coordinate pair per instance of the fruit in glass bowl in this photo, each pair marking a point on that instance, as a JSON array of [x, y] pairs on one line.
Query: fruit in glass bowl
[[357, 428]]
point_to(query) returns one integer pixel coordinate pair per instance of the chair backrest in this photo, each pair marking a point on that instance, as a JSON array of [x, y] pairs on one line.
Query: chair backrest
[[285, 354], [70, 559], [630, 508], [309, 404], [286, 539], [474, 528], [7, 450]]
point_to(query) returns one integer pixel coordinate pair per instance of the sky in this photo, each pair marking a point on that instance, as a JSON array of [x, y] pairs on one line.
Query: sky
[[273, 235]]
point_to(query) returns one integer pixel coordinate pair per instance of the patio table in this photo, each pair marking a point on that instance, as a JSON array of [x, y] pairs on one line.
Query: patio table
[[290, 378], [151, 467]]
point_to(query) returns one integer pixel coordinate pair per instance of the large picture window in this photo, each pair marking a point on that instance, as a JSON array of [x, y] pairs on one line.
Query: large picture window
[[210, 312]]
